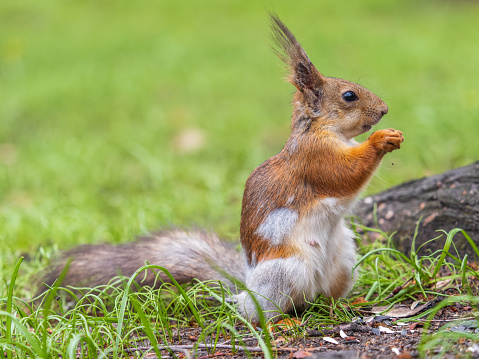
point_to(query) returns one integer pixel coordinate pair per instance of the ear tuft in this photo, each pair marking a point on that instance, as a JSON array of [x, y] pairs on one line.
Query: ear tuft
[[303, 74]]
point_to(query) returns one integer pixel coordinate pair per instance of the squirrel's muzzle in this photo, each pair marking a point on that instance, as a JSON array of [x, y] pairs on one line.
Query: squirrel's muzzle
[[383, 109]]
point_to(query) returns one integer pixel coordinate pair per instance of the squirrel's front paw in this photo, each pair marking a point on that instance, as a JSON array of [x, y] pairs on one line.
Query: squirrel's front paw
[[386, 140]]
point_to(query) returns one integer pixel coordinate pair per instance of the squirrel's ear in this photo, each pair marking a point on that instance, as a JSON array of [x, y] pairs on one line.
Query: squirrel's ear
[[303, 74]]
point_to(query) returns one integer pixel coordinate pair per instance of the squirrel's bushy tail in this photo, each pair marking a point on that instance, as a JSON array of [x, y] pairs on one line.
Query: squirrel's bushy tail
[[185, 254]]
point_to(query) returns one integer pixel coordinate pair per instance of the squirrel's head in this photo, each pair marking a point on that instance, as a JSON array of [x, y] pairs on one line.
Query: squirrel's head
[[324, 103]]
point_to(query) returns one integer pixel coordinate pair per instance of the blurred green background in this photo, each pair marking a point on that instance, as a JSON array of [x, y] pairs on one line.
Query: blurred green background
[[118, 117]]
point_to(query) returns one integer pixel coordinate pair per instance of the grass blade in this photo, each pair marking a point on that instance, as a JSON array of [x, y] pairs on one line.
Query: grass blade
[[146, 324], [445, 250], [465, 282], [8, 336], [471, 243], [73, 345]]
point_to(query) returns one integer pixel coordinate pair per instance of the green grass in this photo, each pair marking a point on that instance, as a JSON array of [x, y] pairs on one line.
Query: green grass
[[109, 320], [94, 97]]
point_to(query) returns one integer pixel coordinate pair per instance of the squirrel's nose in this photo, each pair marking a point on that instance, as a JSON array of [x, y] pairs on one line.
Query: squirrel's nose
[[384, 109]]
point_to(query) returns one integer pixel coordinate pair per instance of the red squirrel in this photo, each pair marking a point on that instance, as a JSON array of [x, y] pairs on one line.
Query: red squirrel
[[295, 242]]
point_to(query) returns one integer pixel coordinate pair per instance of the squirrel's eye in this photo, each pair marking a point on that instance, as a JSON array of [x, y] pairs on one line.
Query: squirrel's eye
[[350, 96]]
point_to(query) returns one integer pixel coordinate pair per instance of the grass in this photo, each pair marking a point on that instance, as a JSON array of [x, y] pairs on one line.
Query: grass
[[111, 321], [97, 98]]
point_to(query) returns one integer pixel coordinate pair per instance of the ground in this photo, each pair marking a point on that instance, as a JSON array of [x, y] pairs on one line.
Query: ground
[[376, 336], [361, 342]]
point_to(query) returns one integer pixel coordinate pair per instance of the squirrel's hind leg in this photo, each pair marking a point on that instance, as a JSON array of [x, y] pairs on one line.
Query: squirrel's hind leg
[[279, 286]]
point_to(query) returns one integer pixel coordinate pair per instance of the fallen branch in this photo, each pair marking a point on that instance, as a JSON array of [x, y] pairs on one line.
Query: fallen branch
[[174, 348], [185, 348]]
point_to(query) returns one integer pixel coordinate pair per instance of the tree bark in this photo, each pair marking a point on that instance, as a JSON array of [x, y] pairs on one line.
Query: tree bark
[[442, 202]]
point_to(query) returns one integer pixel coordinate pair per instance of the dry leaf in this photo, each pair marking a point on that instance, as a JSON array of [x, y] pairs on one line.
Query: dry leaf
[[359, 301], [415, 304], [342, 334], [290, 322], [386, 330], [286, 324], [443, 283], [403, 311], [330, 340]]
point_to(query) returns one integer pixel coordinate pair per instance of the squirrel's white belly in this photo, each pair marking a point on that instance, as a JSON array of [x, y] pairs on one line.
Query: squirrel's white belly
[[326, 250]]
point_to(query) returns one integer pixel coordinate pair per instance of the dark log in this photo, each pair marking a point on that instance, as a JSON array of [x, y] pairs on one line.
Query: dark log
[[442, 202]]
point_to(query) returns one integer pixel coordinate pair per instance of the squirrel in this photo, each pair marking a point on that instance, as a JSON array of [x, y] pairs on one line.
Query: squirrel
[[293, 234]]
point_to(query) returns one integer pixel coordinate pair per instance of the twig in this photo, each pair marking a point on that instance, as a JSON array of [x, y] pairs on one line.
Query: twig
[[397, 290], [305, 322], [244, 340], [183, 348], [212, 356]]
